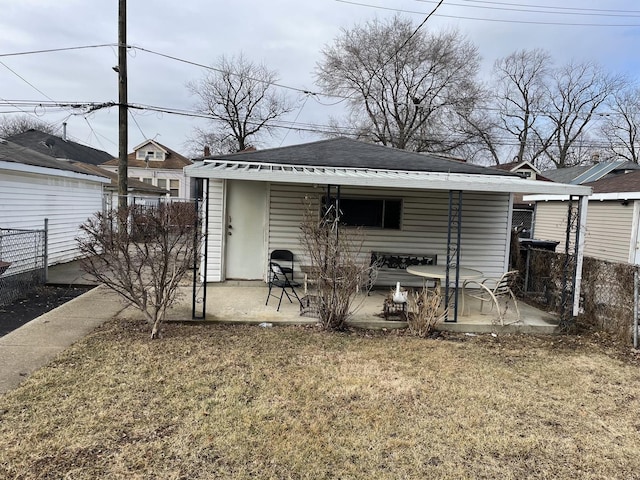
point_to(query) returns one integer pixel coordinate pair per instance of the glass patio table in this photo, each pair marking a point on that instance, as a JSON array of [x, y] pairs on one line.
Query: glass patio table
[[439, 273]]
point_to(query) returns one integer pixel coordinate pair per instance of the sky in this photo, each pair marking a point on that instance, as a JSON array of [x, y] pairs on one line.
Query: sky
[[285, 35]]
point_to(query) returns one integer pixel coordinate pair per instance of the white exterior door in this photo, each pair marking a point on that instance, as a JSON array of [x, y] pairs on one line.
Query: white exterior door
[[245, 230]]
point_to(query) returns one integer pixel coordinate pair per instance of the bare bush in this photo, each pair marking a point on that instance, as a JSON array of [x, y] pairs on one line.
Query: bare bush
[[424, 311], [142, 253], [339, 269]]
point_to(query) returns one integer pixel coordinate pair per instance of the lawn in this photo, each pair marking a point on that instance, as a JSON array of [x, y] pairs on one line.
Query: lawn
[[296, 403]]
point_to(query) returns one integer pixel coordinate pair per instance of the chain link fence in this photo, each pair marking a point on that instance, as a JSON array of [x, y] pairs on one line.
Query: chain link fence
[[522, 219], [22, 262], [607, 293]]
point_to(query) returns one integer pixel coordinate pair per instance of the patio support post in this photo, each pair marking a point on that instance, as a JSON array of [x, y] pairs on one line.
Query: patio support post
[[453, 250], [204, 210]]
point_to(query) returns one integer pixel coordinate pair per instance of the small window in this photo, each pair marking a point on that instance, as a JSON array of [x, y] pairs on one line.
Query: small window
[[371, 212], [174, 188], [162, 183], [148, 181]]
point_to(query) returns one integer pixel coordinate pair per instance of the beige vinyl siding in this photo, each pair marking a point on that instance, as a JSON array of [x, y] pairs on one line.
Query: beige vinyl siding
[[608, 234], [29, 198], [608, 228], [423, 225], [215, 237], [551, 222]]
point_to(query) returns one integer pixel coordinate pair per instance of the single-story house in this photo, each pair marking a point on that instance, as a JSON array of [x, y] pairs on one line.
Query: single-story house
[[35, 187], [612, 221], [409, 203]]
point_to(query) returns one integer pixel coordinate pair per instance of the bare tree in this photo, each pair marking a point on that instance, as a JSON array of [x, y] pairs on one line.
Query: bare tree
[[142, 253], [340, 270], [241, 99], [577, 92], [404, 89], [621, 127], [521, 99], [483, 128], [14, 125]]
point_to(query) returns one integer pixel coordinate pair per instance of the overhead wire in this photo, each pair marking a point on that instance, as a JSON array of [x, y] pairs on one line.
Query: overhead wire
[[63, 49], [536, 9], [554, 7], [496, 20]]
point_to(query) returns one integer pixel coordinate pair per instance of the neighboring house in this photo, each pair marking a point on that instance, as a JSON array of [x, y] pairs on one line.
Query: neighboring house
[[138, 191], [583, 174], [60, 148], [157, 165], [256, 203], [523, 168], [522, 211], [86, 159], [34, 186], [613, 216]]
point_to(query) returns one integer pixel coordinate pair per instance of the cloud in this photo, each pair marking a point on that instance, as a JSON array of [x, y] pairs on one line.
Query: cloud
[[286, 35]]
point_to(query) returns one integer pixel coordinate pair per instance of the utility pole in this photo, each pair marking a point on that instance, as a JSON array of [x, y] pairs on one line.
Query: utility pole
[[123, 125]]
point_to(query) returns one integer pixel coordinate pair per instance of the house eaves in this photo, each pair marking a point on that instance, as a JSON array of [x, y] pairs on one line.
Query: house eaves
[[419, 180], [52, 172]]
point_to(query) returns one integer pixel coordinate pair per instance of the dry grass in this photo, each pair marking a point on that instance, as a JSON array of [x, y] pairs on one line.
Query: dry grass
[[294, 403]]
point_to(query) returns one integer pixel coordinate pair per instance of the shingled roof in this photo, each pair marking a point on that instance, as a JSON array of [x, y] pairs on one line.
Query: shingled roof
[[345, 152], [627, 182], [173, 160], [14, 153], [57, 147]]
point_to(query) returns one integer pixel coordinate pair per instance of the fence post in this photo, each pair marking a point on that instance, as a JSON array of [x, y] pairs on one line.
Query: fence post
[[46, 250]]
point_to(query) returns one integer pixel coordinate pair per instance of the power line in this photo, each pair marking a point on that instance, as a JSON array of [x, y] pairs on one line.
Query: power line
[[552, 7], [208, 67], [495, 20], [51, 50], [415, 32], [137, 125], [536, 9]]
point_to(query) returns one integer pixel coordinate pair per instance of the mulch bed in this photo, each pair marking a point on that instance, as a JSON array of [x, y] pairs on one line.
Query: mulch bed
[[40, 301]]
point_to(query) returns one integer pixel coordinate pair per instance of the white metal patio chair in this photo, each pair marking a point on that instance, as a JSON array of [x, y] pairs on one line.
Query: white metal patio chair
[[483, 291]]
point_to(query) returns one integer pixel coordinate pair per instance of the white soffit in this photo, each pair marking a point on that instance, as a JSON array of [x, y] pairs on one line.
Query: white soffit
[[377, 178]]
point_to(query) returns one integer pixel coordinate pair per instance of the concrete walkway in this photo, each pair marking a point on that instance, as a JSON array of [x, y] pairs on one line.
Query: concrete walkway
[[36, 343]]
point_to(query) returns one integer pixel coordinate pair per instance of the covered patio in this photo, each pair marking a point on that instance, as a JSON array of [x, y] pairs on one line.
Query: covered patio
[[243, 302], [456, 213]]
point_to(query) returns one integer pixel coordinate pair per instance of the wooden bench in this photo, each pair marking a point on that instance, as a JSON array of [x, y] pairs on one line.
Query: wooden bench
[[390, 267]]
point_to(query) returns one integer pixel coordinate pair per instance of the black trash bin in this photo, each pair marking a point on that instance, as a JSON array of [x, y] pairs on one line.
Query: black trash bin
[[529, 243]]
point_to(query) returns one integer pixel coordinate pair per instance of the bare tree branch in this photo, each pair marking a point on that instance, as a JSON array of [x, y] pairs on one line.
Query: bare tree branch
[[241, 100], [404, 97]]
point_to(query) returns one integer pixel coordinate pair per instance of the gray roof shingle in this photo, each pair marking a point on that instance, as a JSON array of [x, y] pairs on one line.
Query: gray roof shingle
[[12, 152], [345, 152], [56, 147]]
